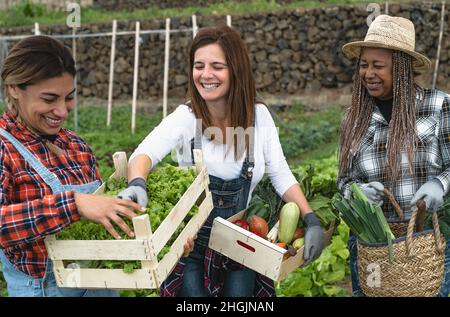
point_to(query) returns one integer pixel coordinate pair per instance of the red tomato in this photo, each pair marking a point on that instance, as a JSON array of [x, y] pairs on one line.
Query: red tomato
[[241, 223]]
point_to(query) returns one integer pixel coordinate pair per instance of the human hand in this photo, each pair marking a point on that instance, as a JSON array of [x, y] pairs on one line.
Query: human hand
[[189, 245], [136, 191], [432, 194], [374, 192], [104, 210], [314, 239]]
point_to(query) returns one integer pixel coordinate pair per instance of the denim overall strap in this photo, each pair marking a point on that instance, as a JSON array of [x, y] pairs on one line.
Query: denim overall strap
[[49, 178], [229, 197], [196, 142], [249, 162]]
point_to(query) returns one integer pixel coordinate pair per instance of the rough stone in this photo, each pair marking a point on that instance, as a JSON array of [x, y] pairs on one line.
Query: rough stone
[[290, 50]]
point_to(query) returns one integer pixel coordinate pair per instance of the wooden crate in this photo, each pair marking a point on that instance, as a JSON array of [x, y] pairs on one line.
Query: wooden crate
[[253, 251], [145, 247]]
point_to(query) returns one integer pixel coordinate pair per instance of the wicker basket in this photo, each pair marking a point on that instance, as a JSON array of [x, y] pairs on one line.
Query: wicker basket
[[417, 268], [399, 227]]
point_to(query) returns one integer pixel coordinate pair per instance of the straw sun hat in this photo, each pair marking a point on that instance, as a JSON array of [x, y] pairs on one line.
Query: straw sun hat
[[394, 33]]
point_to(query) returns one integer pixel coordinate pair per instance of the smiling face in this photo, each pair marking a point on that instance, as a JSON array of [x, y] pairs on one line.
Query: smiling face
[[375, 70], [211, 74], [45, 106]]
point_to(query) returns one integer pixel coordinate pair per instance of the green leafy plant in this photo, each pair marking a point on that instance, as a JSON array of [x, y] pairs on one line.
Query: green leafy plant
[[29, 9], [165, 186], [443, 217], [322, 276], [365, 219]]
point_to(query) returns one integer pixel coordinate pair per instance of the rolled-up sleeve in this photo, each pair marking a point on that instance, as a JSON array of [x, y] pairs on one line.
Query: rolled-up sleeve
[[174, 130]]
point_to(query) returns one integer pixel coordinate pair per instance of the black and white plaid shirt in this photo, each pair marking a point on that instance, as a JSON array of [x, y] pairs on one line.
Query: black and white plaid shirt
[[431, 159]]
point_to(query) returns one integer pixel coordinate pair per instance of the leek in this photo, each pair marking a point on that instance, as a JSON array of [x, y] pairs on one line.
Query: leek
[[365, 220]]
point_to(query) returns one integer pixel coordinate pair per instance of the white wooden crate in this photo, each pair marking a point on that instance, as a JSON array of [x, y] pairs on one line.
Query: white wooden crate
[[253, 251], [145, 247]]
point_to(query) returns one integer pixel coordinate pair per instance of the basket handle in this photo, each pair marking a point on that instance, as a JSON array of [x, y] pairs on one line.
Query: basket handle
[[412, 224], [394, 204], [417, 221]]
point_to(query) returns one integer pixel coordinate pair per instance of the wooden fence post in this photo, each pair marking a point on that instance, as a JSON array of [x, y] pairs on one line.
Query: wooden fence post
[[166, 67], [229, 20], [438, 54], [194, 25], [111, 73], [135, 79], [74, 53]]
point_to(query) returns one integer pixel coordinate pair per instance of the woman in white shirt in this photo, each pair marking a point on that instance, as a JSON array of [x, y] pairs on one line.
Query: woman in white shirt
[[239, 142]]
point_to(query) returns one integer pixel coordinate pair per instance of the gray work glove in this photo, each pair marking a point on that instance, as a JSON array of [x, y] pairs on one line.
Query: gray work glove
[[433, 195], [136, 191], [314, 238], [374, 192]]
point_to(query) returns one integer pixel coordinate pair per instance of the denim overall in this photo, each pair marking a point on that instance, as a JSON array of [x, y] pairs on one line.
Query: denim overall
[[356, 288], [21, 284], [229, 197]]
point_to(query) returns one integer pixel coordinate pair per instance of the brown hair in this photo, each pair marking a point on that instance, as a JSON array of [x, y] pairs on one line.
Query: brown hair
[[402, 127], [242, 93], [31, 60]]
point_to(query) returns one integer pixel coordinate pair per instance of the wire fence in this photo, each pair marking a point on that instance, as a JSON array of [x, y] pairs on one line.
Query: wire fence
[[137, 33], [113, 34]]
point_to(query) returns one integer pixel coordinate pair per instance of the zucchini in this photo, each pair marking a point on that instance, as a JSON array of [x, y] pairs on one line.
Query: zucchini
[[289, 215]]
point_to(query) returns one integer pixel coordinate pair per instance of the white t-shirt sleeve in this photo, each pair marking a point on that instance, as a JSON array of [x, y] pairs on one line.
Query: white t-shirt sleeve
[[276, 165], [172, 132]]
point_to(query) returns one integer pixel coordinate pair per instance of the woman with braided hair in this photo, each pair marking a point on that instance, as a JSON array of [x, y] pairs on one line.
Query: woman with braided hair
[[396, 134]]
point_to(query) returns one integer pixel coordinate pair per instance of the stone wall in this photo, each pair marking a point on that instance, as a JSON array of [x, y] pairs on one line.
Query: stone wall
[[293, 52]]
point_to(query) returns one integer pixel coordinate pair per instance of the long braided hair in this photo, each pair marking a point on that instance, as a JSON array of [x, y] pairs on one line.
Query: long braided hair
[[402, 127]]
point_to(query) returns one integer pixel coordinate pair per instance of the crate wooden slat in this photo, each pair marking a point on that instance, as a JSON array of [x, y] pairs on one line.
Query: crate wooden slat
[[253, 251], [144, 248], [180, 210], [98, 249], [120, 166], [176, 250], [106, 278]]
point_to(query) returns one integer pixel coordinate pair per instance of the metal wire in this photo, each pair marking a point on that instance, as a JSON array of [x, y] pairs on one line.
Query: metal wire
[[85, 35]]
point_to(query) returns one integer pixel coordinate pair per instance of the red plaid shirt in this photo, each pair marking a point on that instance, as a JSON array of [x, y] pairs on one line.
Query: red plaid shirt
[[28, 209]]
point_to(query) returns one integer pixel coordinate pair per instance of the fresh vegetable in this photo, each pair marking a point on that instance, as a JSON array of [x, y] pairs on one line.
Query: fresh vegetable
[[366, 220], [323, 209], [257, 207], [281, 245], [273, 233], [165, 186], [289, 215], [443, 217], [298, 243], [299, 233], [241, 223], [325, 275], [258, 226], [265, 192]]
